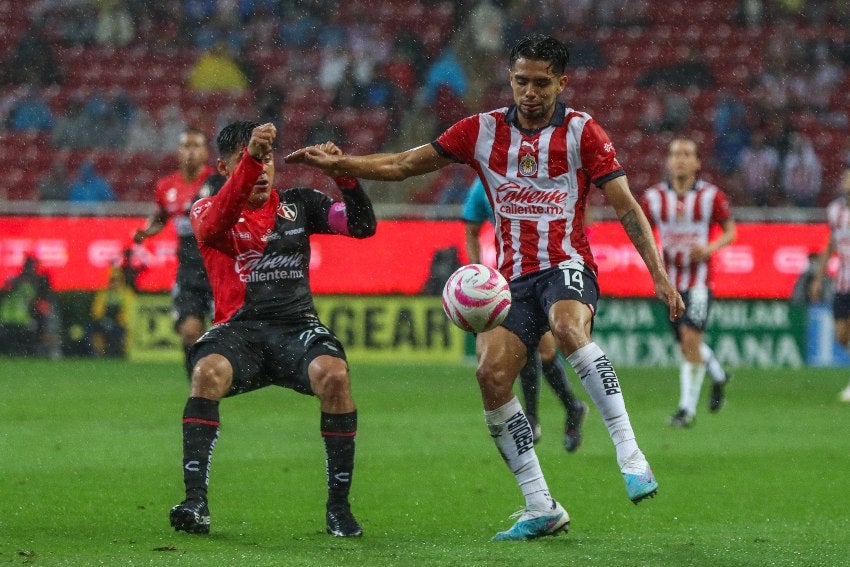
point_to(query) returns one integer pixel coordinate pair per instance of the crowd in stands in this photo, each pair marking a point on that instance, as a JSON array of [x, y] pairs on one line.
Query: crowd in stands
[[104, 87]]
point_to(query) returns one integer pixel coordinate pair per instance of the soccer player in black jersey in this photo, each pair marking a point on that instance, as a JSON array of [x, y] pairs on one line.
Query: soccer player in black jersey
[[255, 244]]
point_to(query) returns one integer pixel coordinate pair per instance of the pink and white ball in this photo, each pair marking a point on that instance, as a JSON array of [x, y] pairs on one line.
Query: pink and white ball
[[476, 298]]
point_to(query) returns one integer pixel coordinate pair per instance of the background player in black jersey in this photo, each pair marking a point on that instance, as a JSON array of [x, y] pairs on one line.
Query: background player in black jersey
[[175, 193], [255, 244]]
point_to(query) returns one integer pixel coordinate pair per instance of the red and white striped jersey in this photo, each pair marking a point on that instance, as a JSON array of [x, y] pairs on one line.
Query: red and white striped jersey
[[682, 223], [536, 181], [838, 217]]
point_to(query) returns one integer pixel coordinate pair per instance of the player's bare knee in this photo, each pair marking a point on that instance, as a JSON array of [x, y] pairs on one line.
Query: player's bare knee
[[570, 335], [330, 380], [212, 377], [492, 377]]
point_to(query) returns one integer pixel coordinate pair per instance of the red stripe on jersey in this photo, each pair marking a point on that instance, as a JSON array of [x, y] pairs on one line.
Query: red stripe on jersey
[[663, 213], [698, 216], [555, 247], [498, 161], [508, 250], [528, 245], [558, 153]]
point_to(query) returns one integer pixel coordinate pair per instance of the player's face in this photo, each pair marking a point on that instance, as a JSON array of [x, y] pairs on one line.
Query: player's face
[[682, 159], [536, 90], [263, 187], [192, 150]]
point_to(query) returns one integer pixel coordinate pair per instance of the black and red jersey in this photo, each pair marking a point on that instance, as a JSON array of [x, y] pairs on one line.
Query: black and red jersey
[[258, 260]]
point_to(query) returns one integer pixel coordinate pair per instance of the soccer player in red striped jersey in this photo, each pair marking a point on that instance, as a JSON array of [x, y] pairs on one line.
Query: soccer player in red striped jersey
[[683, 209], [537, 159], [838, 217]]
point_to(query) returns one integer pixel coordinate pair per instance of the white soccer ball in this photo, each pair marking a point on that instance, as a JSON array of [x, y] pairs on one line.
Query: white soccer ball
[[476, 298]]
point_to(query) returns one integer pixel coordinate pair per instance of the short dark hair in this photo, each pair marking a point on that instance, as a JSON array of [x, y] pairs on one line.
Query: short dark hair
[[542, 47], [234, 137], [190, 130]]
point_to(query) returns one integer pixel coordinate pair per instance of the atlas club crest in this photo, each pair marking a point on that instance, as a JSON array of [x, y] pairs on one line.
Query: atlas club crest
[[287, 211]]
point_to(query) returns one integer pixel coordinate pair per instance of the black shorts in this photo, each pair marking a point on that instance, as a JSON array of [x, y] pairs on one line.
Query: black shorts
[[191, 301], [264, 353], [841, 306], [533, 295], [698, 302]]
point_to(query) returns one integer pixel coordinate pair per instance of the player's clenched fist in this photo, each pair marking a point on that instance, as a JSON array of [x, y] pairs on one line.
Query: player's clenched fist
[[262, 138]]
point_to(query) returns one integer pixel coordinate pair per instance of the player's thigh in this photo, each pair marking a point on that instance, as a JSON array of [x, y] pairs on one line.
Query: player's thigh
[[294, 349], [501, 355], [569, 294], [241, 343], [690, 339], [212, 377], [329, 377]]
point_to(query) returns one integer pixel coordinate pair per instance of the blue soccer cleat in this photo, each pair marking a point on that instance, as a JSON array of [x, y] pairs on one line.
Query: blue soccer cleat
[[641, 485], [536, 523]]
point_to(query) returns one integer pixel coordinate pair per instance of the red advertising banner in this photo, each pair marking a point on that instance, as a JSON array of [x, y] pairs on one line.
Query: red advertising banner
[[76, 253]]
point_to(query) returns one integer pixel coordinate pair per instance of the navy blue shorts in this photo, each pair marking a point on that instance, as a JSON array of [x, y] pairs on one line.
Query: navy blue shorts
[[698, 302], [533, 295], [264, 353]]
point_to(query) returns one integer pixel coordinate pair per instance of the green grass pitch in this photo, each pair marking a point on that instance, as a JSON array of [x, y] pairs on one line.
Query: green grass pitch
[[90, 464]]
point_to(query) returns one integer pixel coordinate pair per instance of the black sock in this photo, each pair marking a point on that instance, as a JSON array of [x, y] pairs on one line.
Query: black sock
[[200, 432], [187, 361], [529, 379], [557, 378], [338, 431]]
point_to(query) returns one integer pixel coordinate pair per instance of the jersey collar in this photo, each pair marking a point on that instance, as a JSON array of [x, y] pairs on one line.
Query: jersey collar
[[557, 116]]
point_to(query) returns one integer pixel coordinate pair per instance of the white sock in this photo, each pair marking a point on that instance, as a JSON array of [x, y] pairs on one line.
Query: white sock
[[697, 376], [686, 371], [712, 365], [601, 383], [511, 432]]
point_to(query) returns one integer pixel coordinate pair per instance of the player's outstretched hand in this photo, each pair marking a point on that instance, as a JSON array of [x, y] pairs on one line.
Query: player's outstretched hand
[[262, 139], [317, 156]]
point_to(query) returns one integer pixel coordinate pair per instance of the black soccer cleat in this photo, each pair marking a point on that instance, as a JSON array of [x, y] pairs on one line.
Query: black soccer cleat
[[341, 522], [191, 516], [572, 429], [718, 397]]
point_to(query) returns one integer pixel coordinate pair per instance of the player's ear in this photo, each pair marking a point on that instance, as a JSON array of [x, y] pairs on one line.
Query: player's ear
[[221, 166]]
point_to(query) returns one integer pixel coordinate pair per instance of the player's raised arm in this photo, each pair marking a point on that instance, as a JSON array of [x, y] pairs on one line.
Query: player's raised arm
[[379, 167], [637, 227]]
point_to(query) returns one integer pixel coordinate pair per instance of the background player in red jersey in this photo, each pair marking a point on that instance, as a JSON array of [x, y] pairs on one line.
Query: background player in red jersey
[[838, 217], [174, 196], [683, 209], [537, 160], [255, 242]]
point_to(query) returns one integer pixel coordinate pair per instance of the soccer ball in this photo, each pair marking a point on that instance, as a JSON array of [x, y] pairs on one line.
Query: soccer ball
[[476, 298]]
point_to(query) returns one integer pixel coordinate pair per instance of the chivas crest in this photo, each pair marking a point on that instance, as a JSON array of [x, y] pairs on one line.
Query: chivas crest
[[527, 166]]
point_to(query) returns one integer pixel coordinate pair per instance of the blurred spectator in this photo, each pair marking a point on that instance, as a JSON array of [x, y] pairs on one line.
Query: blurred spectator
[[758, 169], [54, 185], [31, 113], [32, 60], [142, 133], [487, 28], [114, 25], [72, 130], [446, 71], [172, 124], [800, 292], [111, 311], [750, 13], [333, 68], [217, 70], [652, 116], [29, 317], [79, 23], [90, 186], [731, 131], [801, 172]]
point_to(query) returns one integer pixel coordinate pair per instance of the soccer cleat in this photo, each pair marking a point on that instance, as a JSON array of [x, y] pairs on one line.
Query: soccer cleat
[[191, 516], [532, 524], [717, 396], [640, 486], [536, 430], [572, 429], [681, 419], [341, 522]]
